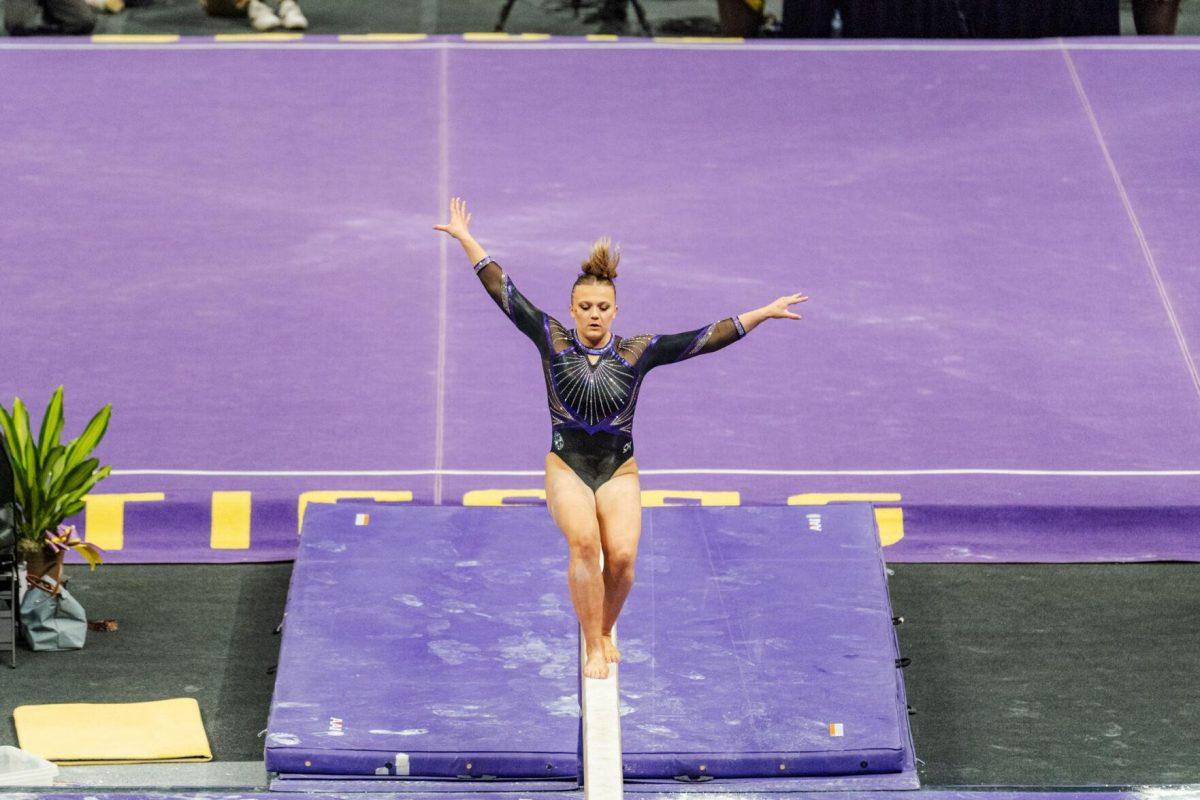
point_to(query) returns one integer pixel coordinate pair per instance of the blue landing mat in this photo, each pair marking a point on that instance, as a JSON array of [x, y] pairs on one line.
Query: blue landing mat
[[758, 644], [432, 642], [440, 643]]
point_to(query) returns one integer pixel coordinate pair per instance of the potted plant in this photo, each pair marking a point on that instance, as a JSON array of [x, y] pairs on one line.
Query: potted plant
[[50, 481]]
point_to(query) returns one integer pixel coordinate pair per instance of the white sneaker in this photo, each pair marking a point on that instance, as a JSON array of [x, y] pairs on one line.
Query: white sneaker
[[293, 17], [262, 18]]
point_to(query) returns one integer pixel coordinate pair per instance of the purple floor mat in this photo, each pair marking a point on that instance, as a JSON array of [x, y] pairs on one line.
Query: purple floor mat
[[439, 642], [1005, 306], [427, 643], [759, 643]]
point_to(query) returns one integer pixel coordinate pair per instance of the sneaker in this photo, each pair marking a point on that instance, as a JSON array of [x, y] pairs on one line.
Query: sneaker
[[293, 17], [262, 18]]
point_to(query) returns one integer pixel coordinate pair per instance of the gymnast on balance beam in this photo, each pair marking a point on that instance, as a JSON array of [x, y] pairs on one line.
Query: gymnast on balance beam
[[592, 381]]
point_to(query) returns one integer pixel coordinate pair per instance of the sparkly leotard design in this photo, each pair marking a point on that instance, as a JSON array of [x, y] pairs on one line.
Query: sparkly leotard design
[[592, 405]]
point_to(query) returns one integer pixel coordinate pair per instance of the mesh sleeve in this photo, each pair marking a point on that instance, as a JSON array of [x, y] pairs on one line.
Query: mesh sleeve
[[671, 347], [524, 314]]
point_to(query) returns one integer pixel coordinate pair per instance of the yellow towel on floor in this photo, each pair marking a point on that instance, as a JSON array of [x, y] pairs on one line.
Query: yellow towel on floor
[[114, 733]]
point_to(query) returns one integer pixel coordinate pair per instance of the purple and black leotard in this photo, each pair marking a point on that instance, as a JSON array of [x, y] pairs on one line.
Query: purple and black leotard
[[592, 405]]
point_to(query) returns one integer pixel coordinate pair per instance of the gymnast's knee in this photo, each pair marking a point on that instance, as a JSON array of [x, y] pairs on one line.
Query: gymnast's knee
[[585, 547], [620, 560]]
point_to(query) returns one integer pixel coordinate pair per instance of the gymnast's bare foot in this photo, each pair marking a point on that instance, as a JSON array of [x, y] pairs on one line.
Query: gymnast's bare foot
[[595, 666], [611, 653]]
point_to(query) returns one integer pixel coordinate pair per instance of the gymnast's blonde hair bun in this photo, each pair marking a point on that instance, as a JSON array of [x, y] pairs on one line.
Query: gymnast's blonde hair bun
[[602, 262]]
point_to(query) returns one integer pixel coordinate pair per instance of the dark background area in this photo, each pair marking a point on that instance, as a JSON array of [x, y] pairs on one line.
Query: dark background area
[[668, 17]]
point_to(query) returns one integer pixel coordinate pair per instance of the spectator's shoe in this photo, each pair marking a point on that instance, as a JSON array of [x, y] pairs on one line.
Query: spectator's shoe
[[262, 18], [293, 18]]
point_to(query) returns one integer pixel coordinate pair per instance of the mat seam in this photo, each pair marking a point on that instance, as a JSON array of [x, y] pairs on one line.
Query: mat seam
[[1148, 257], [443, 201]]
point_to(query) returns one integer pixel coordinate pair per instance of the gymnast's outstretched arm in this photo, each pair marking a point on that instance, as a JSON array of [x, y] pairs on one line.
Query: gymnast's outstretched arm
[[672, 347], [524, 314], [778, 309]]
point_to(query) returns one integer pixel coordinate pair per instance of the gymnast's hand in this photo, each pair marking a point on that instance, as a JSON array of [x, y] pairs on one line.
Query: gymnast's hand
[[459, 218], [779, 309]]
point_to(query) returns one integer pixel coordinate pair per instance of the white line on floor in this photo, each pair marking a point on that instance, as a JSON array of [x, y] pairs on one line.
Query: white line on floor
[[1071, 473]]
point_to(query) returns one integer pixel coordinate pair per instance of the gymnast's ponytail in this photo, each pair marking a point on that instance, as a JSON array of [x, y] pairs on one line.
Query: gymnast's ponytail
[[601, 265]]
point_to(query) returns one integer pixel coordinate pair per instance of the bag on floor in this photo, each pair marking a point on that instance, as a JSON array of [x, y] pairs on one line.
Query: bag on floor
[[51, 618], [225, 8]]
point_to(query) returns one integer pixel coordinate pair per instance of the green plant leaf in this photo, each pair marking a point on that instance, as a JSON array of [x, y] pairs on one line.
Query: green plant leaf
[[50, 479], [6, 425], [91, 436], [19, 494], [32, 505], [77, 494], [75, 478], [53, 467], [28, 459], [54, 515], [20, 428], [52, 424], [60, 513]]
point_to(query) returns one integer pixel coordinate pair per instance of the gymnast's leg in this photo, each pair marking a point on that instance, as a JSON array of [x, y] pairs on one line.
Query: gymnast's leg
[[572, 505], [619, 509]]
